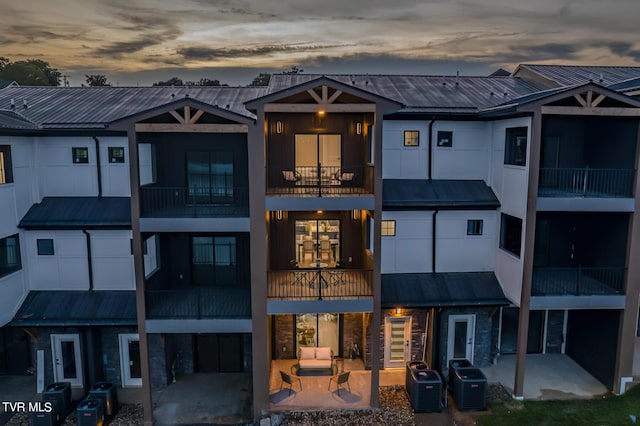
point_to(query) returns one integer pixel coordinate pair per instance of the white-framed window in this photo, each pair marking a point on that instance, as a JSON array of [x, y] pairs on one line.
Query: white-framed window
[[388, 228]]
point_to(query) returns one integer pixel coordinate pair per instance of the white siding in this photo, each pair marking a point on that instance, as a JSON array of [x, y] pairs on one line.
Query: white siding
[[410, 250], [13, 291], [468, 157], [509, 271], [115, 176], [112, 260], [458, 252], [404, 162], [58, 175]]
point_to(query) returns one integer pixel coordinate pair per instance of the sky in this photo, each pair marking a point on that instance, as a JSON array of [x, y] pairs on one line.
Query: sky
[[138, 42]]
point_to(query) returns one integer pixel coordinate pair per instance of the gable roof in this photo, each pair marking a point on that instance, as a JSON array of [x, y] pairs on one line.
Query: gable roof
[[78, 212], [10, 119], [569, 75], [77, 308], [436, 194]]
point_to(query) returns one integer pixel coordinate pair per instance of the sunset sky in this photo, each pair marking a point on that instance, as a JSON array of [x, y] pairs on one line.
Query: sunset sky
[[137, 42]]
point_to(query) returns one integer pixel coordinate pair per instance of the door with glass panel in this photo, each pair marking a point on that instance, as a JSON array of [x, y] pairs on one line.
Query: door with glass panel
[[210, 177], [318, 330], [397, 341], [130, 360], [460, 342], [318, 157], [67, 359], [213, 260], [317, 241]]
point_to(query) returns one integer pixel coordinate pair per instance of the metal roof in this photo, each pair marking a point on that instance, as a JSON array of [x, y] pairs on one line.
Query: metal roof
[[417, 91], [78, 212], [627, 85], [11, 120], [568, 75], [437, 193], [441, 289], [95, 107], [7, 83], [77, 308]]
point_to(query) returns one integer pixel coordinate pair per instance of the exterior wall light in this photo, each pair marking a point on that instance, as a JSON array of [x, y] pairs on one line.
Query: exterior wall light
[[279, 126], [358, 128]]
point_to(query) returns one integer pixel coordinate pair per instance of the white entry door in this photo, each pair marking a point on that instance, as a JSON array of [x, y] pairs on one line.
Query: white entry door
[[397, 341], [130, 360], [67, 359], [460, 340]]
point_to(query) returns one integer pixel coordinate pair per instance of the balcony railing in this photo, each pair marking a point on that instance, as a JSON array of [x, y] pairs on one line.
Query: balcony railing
[[320, 284], [224, 201], [320, 181], [586, 182], [199, 303], [577, 281]]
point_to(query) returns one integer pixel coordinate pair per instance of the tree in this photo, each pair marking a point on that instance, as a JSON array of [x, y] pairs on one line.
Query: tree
[[294, 70], [32, 72], [173, 81], [205, 82], [261, 80], [97, 80]]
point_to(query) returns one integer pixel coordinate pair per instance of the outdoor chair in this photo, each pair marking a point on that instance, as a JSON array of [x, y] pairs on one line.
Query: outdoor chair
[[288, 379], [340, 380], [291, 176]]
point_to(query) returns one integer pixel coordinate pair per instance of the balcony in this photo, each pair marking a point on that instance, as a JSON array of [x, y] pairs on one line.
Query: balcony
[[199, 303], [586, 182], [222, 201], [320, 181], [580, 281], [320, 284]]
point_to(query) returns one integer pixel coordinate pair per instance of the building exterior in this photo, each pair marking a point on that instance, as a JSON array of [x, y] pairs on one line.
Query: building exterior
[[153, 232]]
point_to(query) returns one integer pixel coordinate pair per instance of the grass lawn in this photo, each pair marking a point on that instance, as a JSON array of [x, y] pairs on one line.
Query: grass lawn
[[610, 410]]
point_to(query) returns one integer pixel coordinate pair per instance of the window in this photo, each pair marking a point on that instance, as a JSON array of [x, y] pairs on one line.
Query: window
[[210, 177], [213, 260], [9, 255], [116, 154], [515, 146], [510, 234], [474, 226], [6, 171], [45, 247], [445, 139], [80, 155], [151, 255], [411, 138], [388, 228]]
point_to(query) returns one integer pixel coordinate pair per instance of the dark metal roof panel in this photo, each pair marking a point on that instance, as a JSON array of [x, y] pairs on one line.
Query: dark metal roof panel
[[568, 75], [627, 85], [437, 193], [77, 308], [435, 92], [441, 289], [11, 120], [78, 212], [91, 107]]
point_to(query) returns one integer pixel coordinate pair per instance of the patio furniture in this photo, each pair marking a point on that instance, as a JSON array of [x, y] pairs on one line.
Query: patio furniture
[[342, 177], [340, 380], [291, 177], [289, 379], [315, 358]]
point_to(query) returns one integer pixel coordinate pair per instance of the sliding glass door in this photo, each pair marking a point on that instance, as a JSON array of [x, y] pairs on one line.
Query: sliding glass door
[[213, 260], [317, 240], [318, 330], [318, 157], [210, 177]]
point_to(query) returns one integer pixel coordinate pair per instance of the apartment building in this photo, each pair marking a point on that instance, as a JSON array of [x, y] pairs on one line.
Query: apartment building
[[154, 232]]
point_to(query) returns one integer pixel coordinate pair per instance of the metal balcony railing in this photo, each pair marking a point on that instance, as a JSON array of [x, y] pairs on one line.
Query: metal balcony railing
[[199, 303], [194, 201], [586, 182], [578, 281], [320, 283], [320, 180]]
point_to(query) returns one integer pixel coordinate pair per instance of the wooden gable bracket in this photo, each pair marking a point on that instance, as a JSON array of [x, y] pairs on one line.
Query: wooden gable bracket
[[589, 102], [325, 99], [187, 119]]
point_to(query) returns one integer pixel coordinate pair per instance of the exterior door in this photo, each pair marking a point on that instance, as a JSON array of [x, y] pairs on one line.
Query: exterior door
[[67, 359], [130, 360], [460, 341], [397, 341]]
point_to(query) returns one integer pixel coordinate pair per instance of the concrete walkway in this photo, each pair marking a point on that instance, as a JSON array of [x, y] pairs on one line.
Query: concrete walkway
[[548, 376]]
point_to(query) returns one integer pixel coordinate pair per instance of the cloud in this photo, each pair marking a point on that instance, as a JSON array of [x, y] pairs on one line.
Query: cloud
[[203, 53]]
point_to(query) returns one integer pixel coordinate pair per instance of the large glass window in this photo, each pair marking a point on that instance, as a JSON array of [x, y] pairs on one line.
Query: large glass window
[[210, 177], [510, 234], [318, 330], [10, 255], [515, 147], [213, 260], [6, 171], [317, 241]]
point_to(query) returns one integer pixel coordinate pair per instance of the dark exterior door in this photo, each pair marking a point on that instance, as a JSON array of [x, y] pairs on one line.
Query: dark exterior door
[[14, 351], [220, 353], [208, 361]]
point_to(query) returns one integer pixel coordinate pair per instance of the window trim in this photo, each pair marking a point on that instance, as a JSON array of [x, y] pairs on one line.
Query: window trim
[[417, 138], [41, 248], [439, 137], [471, 227], [113, 158], [503, 235], [511, 138], [387, 228], [76, 159]]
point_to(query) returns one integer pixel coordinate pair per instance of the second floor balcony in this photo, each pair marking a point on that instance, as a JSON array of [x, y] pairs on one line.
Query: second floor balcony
[[586, 182], [319, 283], [320, 181], [223, 200], [577, 281]]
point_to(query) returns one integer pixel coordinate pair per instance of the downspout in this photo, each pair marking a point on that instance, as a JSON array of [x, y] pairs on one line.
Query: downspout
[[433, 120], [97, 141], [433, 241], [89, 262]]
